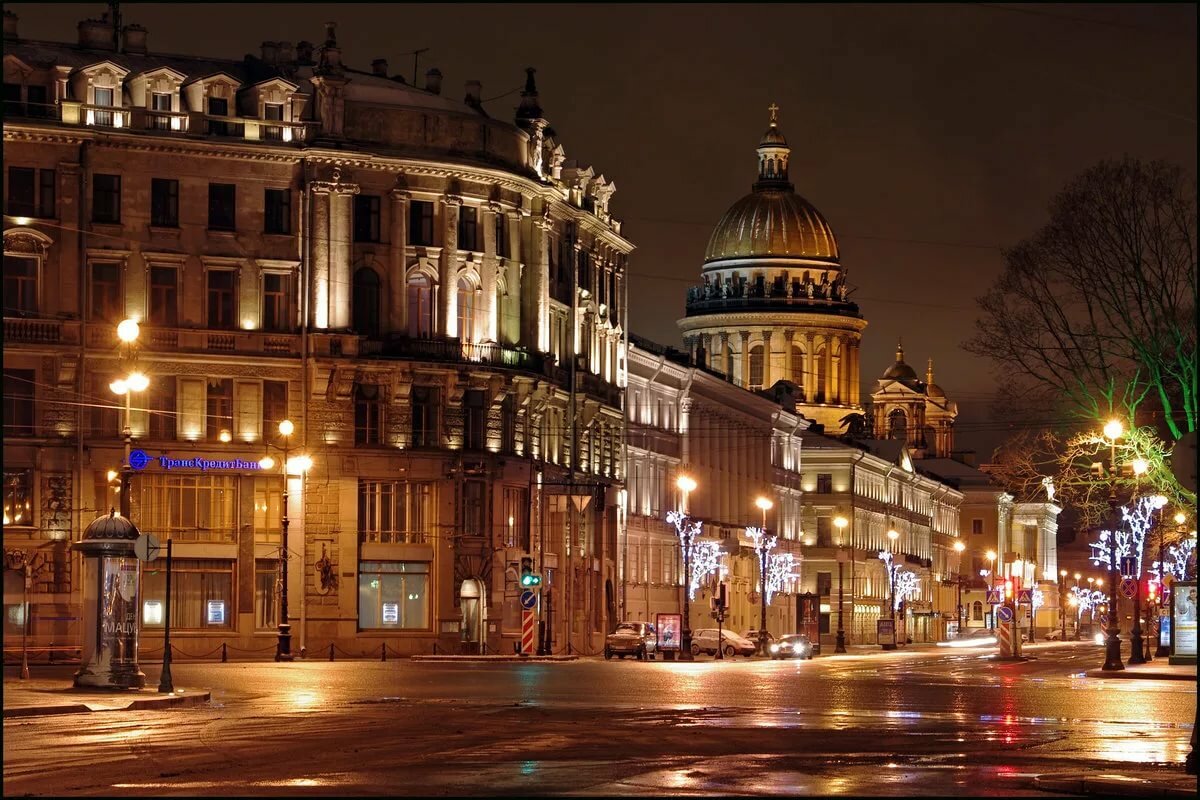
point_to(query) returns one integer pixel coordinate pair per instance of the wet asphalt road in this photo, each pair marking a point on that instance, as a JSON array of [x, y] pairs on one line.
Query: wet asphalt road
[[918, 723]]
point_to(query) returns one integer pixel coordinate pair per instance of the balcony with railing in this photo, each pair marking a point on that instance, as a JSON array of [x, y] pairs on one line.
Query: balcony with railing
[[28, 330], [743, 294], [73, 112], [454, 350], [104, 335], [392, 537]]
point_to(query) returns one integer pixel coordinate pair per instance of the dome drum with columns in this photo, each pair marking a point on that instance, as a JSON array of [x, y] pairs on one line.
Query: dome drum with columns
[[774, 303]]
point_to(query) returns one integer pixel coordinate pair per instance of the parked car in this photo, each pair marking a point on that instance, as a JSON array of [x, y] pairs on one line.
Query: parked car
[[631, 639], [1053, 635], [752, 635], [981, 637], [792, 645], [705, 641]]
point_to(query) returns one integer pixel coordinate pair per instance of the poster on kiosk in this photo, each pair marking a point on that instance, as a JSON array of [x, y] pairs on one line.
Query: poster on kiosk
[[1183, 622]]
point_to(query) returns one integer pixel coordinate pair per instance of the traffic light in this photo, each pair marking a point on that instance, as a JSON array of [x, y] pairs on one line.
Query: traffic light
[[529, 579], [1008, 589], [722, 595], [1152, 590]]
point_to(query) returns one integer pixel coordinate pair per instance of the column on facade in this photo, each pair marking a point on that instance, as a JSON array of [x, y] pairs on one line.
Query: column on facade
[[535, 315], [448, 267], [767, 376], [744, 337], [340, 254], [397, 262], [828, 368], [852, 373], [318, 242], [810, 367], [490, 278], [786, 363]]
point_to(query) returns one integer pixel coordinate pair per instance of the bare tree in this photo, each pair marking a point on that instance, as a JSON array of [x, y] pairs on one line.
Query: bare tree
[[1099, 305]]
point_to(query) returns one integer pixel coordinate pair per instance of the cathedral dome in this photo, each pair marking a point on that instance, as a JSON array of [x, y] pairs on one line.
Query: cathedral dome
[[772, 221], [900, 371]]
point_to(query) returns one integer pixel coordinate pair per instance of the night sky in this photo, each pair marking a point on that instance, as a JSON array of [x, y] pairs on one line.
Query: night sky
[[929, 137]]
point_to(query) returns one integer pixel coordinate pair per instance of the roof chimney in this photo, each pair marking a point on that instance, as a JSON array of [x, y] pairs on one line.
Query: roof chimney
[[270, 53], [433, 81], [10, 24], [286, 54], [96, 34], [474, 90], [379, 67], [304, 52], [134, 39]]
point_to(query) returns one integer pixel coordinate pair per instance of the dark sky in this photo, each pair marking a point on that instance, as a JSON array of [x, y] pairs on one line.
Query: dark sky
[[929, 136]]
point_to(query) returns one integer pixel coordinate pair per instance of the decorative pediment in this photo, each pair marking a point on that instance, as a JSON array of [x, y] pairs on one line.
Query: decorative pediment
[[215, 78], [276, 84], [167, 73], [104, 67], [15, 68], [26, 241]]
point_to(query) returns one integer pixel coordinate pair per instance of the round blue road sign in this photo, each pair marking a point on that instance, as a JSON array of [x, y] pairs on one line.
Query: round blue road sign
[[528, 599], [1005, 613]]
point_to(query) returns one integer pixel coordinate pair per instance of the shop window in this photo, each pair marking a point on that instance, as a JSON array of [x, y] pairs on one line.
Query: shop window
[[395, 512], [164, 203], [18, 402], [164, 296], [201, 594], [393, 595], [190, 508], [18, 497]]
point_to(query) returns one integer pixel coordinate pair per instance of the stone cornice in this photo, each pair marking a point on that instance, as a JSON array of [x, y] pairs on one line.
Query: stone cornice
[[808, 321]]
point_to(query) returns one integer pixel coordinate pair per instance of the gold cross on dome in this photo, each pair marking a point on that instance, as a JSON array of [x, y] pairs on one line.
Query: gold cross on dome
[[774, 109]]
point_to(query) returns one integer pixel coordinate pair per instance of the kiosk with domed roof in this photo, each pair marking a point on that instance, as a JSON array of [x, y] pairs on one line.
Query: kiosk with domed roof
[[774, 304]]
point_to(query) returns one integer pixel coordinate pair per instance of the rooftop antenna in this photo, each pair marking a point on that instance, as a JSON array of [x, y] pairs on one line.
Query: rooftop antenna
[[416, 58], [114, 13]]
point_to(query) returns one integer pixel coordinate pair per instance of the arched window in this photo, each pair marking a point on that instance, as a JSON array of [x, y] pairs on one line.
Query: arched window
[[366, 302], [977, 611], [756, 367], [466, 310], [420, 307], [897, 424], [798, 369]]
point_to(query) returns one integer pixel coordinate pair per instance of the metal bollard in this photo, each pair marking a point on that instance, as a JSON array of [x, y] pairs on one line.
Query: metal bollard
[[224, 653], [331, 651], [383, 652]]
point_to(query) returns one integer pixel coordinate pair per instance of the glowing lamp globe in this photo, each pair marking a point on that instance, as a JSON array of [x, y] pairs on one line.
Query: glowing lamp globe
[[127, 331]]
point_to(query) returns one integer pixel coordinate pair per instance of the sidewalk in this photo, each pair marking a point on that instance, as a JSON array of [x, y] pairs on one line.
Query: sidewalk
[[33, 698], [493, 659], [1142, 783], [1158, 670]]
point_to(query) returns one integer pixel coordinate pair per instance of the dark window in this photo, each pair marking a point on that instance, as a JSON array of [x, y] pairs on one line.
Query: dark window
[[276, 308], [103, 97], [161, 101], [474, 495], [474, 420], [468, 229], [18, 402], [12, 100], [221, 303], [425, 403], [420, 307], [21, 191], [368, 415], [508, 425], [501, 235], [162, 406], [164, 203], [106, 198], [420, 223], [824, 483], [106, 292], [824, 532], [824, 583], [222, 206], [273, 112], [585, 270], [366, 302], [20, 285], [106, 419], [976, 526], [278, 207], [275, 407], [47, 184], [219, 410], [366, 218], [218, 107], [164, 296]]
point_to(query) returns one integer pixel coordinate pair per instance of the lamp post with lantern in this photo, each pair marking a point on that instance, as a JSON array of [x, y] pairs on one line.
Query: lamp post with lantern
[[990, 555], [892, 536], [1113, 430], [298, 465], [840, 523], [959, 547], [1062, 605], [135, 381], [687, 532], [764, 505]]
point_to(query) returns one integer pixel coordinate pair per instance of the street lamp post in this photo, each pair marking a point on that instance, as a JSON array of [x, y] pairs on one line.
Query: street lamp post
[[990, 555], [686, 485], [840, 523], [1062, 605], [764, 505], [1078, 616], [1113, 430], [283, 646], [959, 547], [127, 333], [891, 568]]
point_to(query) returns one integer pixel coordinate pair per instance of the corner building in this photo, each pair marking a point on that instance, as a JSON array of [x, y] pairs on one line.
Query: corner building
[[434, 296]]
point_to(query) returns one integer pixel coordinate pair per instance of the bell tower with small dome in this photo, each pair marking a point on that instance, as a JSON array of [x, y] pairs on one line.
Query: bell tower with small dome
[[917, 411], [774, 303]]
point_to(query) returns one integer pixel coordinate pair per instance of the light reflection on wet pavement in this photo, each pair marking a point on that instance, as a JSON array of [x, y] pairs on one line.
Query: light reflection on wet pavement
[[924, 724]]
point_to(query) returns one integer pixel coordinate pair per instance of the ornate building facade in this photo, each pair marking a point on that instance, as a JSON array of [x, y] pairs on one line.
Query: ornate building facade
[[435, 297], [774, 303], [917, 412]]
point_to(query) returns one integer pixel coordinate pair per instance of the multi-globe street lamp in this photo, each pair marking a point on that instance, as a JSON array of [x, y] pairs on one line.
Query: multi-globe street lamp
[[1077, 617], [295, 465], [764, 505], [686, 535], [840, 523], [1113, 430], [135, 381], [990, 555], [959, 547], [892, 536], [1062, 605]]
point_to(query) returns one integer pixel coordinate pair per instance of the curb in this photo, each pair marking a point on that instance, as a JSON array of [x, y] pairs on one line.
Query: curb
[[176, 701], [1117, 785], [1146, 676], [494, 659]]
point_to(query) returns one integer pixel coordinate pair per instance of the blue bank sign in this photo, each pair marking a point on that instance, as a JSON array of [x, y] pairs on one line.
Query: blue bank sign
[[140, 459]]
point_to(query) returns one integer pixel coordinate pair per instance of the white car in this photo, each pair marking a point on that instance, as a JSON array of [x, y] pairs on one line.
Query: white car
[[705, 641]]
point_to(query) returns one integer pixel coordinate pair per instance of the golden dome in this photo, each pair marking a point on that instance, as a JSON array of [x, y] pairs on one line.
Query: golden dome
[[772, 223]]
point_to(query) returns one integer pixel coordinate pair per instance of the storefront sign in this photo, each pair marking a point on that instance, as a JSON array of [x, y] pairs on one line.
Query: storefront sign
[[140, 459], [668, 627]]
